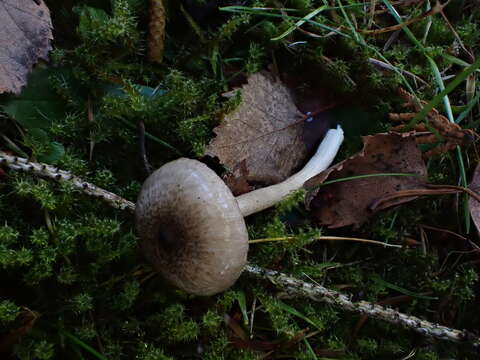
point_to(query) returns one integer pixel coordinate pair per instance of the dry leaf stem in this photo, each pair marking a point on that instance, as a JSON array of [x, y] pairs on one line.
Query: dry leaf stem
[[299, 288], [428, 190], [293, 287]]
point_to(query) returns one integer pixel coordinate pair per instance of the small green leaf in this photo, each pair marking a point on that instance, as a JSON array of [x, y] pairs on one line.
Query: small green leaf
[[402, 290], [43, 147], [38, 104], [91, 18], [297, 313], [54, 153], [243, 306]]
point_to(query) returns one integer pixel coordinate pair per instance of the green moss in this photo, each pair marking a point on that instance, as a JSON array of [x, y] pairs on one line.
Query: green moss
[[8, 312], [150, 352], [174, 325], [76, 261], [82, 303]]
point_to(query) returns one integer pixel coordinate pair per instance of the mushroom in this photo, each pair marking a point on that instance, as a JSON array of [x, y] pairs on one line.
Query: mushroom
[[191, 226]]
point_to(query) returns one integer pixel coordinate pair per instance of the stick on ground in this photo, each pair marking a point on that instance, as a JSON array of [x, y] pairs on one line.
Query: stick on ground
[[293, 287]]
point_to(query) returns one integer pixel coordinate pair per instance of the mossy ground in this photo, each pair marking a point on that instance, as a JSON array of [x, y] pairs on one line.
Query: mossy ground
[[74, 284]]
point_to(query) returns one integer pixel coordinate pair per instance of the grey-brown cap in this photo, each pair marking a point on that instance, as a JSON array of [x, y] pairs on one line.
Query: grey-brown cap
[[191, 227]]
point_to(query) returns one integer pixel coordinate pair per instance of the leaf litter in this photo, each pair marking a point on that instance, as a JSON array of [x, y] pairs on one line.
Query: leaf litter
[[474, 205], [264, 140], [25, 35], [263, 135], [373, 180], [346, 203]]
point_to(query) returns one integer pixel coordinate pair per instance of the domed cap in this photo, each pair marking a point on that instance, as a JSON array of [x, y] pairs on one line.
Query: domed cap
[[191, 227]]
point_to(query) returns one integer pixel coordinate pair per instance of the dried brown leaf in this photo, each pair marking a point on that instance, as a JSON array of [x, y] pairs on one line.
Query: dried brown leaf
[[236, 180], [349, 202], [25, 34], [474, 205], [265, 131]]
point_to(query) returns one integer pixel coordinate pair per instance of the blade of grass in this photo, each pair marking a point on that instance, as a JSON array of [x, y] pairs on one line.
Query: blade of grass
[[193, 24], [349, 178], [360, 41], [268, 14], [83, 345], [469, 108], [242, 303], [445, 90], [407, 31], [356, 177], [402, 290], [261, 10], [254, 10], [461, 165], [457, 61], [355, 34], [300, 23], [310, 350], [442, 96], [334, 238], [429, 23], [152, 137], [297, 313], [441, 86], [448, 89]]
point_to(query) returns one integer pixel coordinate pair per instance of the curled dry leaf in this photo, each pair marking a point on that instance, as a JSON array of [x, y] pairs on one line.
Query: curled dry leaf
[[264, 131], [349, 202], [25, 34], [156, 31]]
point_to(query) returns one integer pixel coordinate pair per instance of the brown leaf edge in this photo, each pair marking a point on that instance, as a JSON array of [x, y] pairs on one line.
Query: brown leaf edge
[[473, 204], [313, 185], [43, 48]]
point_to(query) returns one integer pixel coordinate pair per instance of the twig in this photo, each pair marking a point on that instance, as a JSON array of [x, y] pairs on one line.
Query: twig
[[293, 287], [48, 171], [438, 7], [387, 66], [141, 144], [298, 288], [333, 238]]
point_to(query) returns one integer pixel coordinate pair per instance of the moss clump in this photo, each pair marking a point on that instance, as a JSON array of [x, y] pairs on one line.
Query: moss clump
[[73, 264]]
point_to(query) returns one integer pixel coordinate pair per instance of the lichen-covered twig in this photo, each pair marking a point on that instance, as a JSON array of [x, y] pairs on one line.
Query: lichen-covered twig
[[299, 288], [293, 287], [48, 171]]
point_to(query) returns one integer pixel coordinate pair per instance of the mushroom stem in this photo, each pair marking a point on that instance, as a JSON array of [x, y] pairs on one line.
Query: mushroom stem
[[262, 199]]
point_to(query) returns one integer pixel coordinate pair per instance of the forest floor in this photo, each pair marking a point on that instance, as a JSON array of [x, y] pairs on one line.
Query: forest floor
[[249, 88]]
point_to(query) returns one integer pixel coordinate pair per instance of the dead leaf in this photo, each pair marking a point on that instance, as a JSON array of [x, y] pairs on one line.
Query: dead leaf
[[236, 180], [265, 131], [349, 202], [25, 34], [474, 205], [156, 31]]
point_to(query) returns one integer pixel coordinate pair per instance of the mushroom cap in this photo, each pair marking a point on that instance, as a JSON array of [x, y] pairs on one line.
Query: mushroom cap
[[191, 227]]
